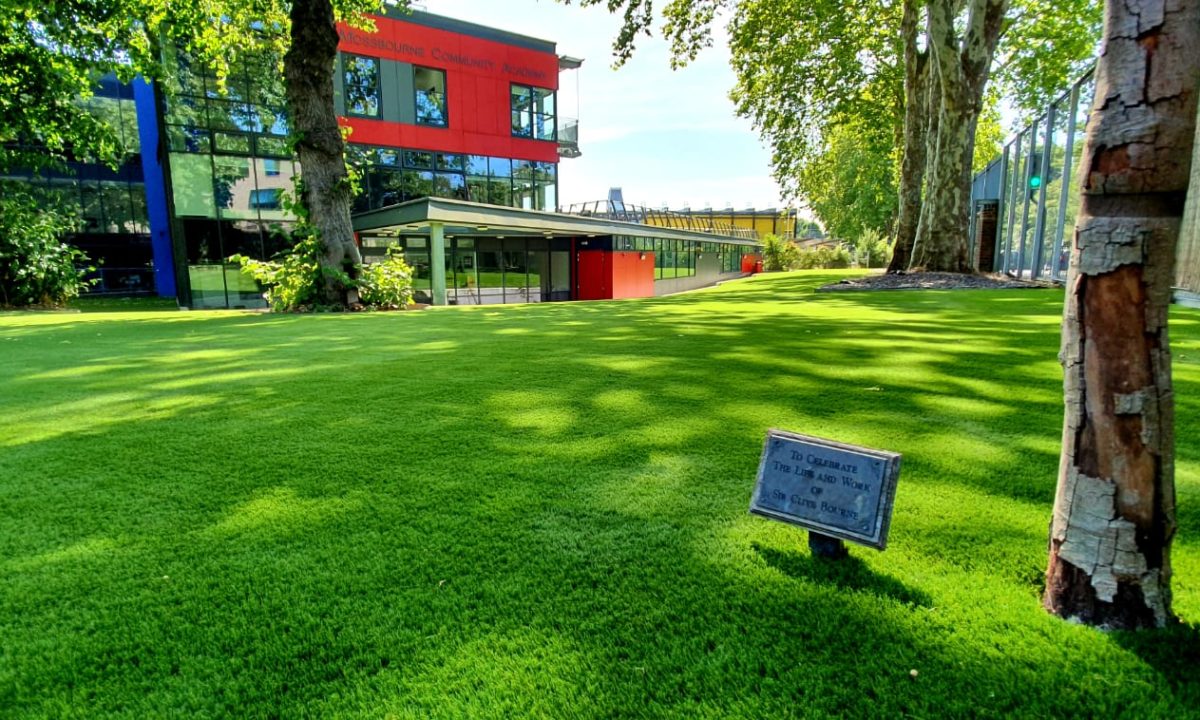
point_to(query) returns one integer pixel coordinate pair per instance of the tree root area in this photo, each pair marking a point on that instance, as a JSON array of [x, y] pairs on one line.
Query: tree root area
[[934, 281]]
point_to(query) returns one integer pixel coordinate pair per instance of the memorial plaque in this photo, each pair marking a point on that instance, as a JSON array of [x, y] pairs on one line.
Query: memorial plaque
[[843, 491]]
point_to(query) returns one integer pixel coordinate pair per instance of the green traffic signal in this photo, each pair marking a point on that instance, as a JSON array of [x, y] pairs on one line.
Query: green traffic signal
[[1035, 182]]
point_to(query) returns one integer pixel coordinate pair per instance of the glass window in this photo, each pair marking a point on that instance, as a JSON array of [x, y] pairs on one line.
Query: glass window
[[490, 272], [500, 167], [232, 184], [545, 186], [452, 162], [417, 184], [266, 199], [192, 185], [274, 179], [360, 83], [274, 121], [543, 114], [522, 113], [523, 184], [477, 189], [232, 143], [430, 87], [188, 139], [533, 112], [419, 160], [450, 185], [500, 191], [273, 147], [477, 165], [516, 271]]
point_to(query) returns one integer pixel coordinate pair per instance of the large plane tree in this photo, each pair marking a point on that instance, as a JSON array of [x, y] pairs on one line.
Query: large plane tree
[[1114, 512]]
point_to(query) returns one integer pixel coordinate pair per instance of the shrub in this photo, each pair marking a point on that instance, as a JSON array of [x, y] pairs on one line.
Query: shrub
[[36, 266], [388, 282], [293, 280], [824, 257], [779, 254], [872, 249]]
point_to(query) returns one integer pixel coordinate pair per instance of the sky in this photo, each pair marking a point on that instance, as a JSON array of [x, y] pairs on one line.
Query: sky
[[663, 136]]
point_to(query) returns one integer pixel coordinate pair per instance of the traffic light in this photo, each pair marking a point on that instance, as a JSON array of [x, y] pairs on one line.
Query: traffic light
[[1034, 163]]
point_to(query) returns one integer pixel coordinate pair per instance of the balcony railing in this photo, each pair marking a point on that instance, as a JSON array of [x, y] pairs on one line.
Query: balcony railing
[[568, 137], [659, 218]]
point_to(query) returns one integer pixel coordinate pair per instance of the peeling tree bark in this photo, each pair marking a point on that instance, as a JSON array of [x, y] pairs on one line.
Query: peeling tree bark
[[308, 74], [916, 122], [1114, 512], [961, 67]]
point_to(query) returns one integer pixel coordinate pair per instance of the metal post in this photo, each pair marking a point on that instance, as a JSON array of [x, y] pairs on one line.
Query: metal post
[[1001, 208], [826, 547], [437, 262], [1014, 181], [1025, 195], [1039, 228], [1067, 190]]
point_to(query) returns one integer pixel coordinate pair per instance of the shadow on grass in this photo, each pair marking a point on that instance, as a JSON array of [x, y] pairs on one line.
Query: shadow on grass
[[533, 510], [848, 573], [1173, 652]]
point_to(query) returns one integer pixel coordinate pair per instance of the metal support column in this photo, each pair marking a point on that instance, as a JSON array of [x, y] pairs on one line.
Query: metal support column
[[1068, 190], [1039, 228], [437, 262], [1027, 167], [998, 255]]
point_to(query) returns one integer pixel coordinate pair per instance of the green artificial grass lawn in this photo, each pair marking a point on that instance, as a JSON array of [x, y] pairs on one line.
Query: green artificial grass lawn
[[541, 511]]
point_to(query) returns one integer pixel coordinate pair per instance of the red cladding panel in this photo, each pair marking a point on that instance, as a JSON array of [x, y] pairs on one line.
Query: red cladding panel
[[593, 275], [751, 263], [604, 275], [478, 77], [633, 274]]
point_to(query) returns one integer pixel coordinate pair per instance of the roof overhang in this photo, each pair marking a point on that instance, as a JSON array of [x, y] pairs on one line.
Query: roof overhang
[[462, 217]]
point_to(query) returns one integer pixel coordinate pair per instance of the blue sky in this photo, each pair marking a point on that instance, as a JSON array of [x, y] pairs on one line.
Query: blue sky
[[663, 136]]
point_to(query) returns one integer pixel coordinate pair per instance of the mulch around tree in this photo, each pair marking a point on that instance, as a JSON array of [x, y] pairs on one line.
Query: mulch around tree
[[933, 281]]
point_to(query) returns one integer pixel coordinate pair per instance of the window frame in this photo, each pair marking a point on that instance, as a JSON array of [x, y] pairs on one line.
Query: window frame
[[530, 97], [417, 92], [346, 60]]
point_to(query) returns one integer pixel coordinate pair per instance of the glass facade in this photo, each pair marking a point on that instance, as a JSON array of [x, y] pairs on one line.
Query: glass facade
[[391, 175], [487, 270], [231, 171], [1038, 183], [114, 229], [682, 258], [495, 270]]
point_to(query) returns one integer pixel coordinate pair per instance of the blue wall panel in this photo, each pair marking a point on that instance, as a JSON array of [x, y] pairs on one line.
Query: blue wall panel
[[156, 191]]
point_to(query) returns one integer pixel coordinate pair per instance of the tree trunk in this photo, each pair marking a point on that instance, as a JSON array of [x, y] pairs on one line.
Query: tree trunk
[[1188, 276], [961, 67], [916, 122], [1114, 512], [308, 75]]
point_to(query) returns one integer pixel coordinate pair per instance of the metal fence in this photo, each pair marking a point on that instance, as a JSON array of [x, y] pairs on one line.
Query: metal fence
[[1033, 189]]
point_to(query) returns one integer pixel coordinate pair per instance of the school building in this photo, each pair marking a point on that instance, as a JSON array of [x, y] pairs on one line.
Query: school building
[[457, 135]]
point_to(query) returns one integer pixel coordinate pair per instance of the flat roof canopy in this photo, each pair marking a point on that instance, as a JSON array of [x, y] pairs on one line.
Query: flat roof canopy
[[468, 218]]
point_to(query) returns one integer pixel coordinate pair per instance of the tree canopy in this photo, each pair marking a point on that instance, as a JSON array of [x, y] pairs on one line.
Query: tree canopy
[[806, 69], [52, 55]]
